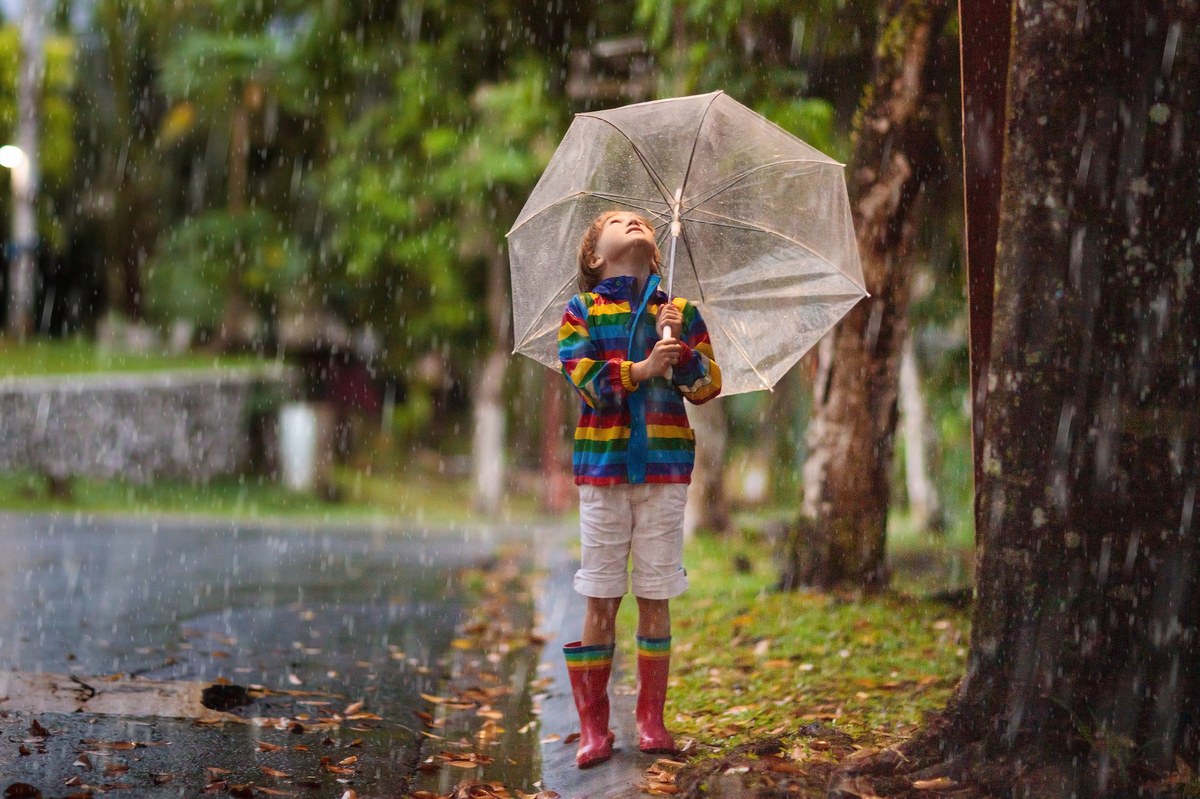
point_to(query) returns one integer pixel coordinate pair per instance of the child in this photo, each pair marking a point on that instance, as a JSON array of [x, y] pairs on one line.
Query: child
[[632, 462]]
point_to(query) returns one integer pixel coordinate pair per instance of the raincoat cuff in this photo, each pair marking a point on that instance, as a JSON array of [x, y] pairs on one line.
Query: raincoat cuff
[[627, 377]]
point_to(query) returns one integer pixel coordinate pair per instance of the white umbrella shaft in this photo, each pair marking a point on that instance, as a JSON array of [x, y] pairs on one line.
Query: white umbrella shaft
[[675, 229], [670, 275]]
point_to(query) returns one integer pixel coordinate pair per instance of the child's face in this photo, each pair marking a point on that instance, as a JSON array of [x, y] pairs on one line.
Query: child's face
[[622, 233]]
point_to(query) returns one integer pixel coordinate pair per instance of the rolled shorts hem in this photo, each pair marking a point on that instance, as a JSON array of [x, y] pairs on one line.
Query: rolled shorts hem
[[661, 587], [601, 589]]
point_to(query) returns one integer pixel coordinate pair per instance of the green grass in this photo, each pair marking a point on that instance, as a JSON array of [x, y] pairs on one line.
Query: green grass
[[748, 662], [413, 498], [80, 356]]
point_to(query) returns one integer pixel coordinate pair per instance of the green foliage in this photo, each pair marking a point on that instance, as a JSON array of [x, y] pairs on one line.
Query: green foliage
[[191, 272], [213, 69], [424, 185]]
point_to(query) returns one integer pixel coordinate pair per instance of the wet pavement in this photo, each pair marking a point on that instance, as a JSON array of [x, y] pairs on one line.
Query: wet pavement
[[336, 632], [274, 660]]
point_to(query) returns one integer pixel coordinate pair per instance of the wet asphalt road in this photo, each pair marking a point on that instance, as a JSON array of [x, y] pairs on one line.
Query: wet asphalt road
[[367, 615]]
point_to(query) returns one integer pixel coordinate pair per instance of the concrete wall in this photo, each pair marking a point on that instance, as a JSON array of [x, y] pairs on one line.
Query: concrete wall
[[181, 424]]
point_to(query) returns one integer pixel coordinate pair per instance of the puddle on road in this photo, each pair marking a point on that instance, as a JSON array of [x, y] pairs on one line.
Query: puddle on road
[[120, 696]]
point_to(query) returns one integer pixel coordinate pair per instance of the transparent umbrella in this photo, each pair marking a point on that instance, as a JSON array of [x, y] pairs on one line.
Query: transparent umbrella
[[754, 223]]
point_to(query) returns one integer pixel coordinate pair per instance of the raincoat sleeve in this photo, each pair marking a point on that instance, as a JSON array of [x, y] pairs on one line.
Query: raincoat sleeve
[[602, 382], [697, 375]]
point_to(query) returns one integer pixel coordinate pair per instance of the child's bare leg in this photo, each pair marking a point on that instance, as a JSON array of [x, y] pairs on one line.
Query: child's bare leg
[[600, 620], [654, 618]]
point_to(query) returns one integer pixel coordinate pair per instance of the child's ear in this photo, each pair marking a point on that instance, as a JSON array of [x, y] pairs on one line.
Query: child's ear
[[597, 262]]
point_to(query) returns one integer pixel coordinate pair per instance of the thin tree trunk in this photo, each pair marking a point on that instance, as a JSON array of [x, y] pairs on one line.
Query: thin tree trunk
[[850, 437], [923, 501], [22, 274], [132, 227], [1082, 678], [707, 504], [487, 450], [557, 489]]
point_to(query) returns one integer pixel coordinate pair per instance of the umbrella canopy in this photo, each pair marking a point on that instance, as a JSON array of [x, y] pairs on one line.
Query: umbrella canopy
[[765, 246]]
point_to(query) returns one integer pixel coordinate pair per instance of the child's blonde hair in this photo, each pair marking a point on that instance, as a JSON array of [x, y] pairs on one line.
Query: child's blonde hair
[[588, 275]]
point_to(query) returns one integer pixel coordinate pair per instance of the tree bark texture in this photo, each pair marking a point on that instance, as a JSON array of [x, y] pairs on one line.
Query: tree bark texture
[[1082, 677], [850, 437]]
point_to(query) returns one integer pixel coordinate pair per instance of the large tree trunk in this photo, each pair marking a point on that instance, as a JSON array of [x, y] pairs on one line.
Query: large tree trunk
[[848, 471], [1082, 678]]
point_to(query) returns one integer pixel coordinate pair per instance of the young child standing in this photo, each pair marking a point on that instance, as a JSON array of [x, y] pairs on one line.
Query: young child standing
[[632, 461]]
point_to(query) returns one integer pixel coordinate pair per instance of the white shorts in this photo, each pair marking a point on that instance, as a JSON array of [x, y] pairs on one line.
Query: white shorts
[[643, 520]]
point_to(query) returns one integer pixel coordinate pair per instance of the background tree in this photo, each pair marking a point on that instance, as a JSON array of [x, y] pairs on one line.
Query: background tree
[[1080, 678], [848, 472], [788, 63]]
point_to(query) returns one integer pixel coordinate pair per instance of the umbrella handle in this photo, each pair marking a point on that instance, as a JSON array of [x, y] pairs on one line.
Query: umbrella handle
[[667, 337]]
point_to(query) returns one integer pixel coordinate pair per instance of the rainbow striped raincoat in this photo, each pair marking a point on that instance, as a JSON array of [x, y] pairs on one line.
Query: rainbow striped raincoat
[[627, 432]]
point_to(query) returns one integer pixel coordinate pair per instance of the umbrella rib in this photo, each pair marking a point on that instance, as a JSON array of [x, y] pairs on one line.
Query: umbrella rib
[[542, 310], [742, 352], [687, 246], [662, 187], [632, 201], [740, 225], [728, 184], [574, 195], [696, 141]]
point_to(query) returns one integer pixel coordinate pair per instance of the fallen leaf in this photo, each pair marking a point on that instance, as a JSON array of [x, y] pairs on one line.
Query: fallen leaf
[[274, 772], [36, 730], [22, 789], [353, 708], [551, 738], [937, 784], [265, 746]]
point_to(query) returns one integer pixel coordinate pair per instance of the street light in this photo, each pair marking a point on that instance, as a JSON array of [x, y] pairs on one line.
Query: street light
[[14, 158]]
